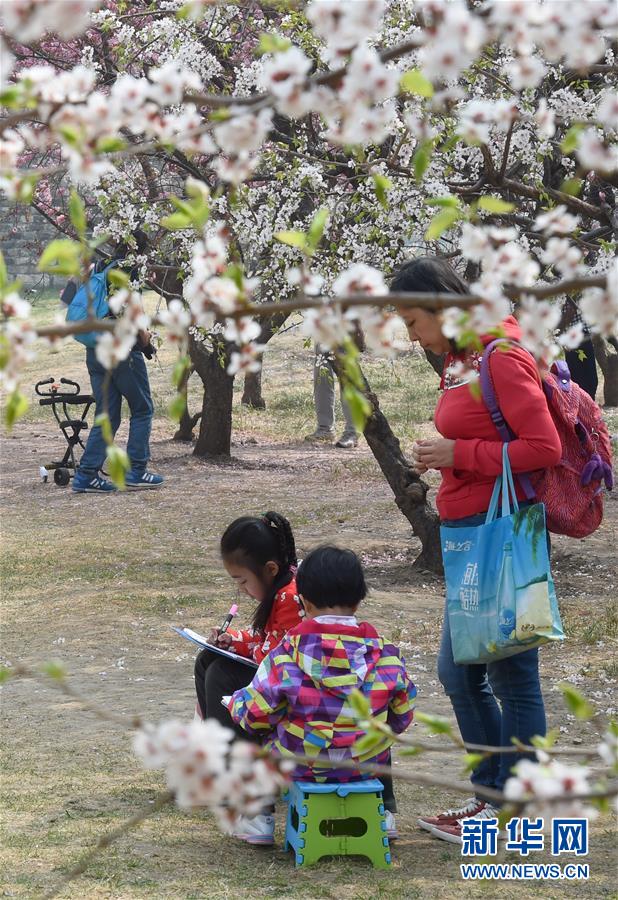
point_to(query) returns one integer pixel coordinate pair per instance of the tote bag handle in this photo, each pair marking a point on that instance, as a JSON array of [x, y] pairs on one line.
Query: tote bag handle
[[506, 484]]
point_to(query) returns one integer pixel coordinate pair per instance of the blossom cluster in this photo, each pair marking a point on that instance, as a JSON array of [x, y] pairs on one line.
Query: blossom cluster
[[549, 785], [203, 767]]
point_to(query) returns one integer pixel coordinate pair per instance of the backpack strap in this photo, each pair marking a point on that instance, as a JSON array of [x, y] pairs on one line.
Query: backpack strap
[[490, 400]]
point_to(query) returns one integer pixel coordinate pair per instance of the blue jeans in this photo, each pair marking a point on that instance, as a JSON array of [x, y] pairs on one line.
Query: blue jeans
[[129, 380], [474, 692]]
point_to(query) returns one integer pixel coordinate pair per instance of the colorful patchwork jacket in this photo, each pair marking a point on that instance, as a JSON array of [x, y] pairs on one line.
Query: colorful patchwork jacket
[[299, 699], [285, 614]]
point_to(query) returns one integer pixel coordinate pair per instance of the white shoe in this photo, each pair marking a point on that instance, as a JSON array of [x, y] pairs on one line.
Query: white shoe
[[258, 830], [391, 825]]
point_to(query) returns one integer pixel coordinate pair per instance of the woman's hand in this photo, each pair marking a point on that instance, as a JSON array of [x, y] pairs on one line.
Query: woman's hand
[[435, 454], [220, 640]]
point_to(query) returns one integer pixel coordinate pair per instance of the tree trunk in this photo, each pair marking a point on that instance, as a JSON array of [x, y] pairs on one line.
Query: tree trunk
[[252, 393], [606, 353], [409, 489], [187, 421], [215, 436]]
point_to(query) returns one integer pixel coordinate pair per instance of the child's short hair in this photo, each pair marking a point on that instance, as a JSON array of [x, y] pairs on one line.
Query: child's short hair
[[330, 576]]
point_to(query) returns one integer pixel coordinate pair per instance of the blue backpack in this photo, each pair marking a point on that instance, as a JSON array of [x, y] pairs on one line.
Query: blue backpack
[[97, 290]]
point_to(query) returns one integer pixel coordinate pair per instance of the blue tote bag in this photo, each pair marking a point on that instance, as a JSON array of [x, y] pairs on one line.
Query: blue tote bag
[[499, 590]]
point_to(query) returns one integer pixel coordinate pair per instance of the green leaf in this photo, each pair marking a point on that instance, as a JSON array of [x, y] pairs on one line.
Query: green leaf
[[176, 222], [62, 257], [272, 43], [14, 408], [177, 407], [545, 742], [180, 367], [110, 144], [444, 202], [4, 274], [441, 223], [471, 761], [293, 239], [117, 464], [71, 135], [576, 702], [435, 724], [572, 186], [360, 407], [367, 743], [102, 420], [410, 751], [77, 213], [316, 229], [495, 205], [118, 279], [570, 141], [382, 184], [360, 704], [54, 669], [421, 160], [414, 82], [5, 673], [236, 274], [12, 96]]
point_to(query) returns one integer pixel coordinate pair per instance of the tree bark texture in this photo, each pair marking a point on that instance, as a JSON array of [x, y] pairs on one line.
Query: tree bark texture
[[187, 421], [409, 489], [606, 353], [215, 435], [252, 393]]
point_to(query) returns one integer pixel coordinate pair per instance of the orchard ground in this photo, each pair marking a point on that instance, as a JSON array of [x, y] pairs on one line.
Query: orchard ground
[[96, 582]]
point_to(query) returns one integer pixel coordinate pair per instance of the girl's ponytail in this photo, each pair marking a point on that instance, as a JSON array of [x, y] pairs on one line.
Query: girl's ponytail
[[283, 531]]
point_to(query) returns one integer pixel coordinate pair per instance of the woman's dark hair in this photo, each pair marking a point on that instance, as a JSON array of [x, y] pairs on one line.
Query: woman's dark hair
[[427, 274], [330, 576], [252, 541]]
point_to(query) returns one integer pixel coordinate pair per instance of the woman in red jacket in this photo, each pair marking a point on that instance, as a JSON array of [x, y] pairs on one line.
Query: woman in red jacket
[[469, 457]]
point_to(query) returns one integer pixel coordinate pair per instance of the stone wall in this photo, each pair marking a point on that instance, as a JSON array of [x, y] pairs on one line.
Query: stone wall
[[23, 235]]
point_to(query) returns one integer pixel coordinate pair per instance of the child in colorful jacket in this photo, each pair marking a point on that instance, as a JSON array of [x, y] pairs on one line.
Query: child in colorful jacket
[[299, 699]]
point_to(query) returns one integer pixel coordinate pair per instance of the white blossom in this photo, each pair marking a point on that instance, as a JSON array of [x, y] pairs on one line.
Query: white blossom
[[176, 319], [545, 118], [563, 256], [243, 132], [593, 154], [327, 326], [556, 221], [360, 279], [526, 72], [285, 71], [113, 347], [607, 112], [550, 780], [14, 305]]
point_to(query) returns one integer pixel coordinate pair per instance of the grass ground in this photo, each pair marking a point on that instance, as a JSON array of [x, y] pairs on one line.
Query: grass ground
[[96, 583]]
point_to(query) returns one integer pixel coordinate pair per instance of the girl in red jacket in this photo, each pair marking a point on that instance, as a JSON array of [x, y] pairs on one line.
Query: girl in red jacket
[[469, 457], [259, 554]]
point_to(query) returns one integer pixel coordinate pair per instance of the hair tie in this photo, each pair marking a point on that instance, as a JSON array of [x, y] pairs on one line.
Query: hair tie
[[267, 521]]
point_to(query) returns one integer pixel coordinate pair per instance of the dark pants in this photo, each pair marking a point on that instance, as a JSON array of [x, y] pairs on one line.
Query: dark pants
[[583, 370], [217, 676]]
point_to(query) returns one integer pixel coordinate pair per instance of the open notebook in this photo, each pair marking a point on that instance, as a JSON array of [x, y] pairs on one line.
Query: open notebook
[[196, 638]]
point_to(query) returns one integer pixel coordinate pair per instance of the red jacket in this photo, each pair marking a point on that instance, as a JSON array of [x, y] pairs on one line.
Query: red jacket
[[285, 614], [463, 417]]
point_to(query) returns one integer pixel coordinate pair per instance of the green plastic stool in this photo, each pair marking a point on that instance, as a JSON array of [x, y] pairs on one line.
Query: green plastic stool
[[337, 820]]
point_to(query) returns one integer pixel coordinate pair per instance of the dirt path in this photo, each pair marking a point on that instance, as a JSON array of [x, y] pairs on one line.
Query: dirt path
[[96, 582]]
